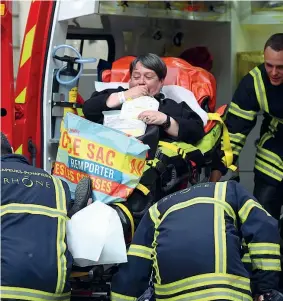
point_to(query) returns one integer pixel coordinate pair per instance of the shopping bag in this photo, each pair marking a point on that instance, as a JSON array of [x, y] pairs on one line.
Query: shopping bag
[[114, 161]]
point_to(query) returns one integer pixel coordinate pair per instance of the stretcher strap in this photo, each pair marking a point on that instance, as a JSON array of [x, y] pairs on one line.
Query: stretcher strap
[[170, 146], [174, 148], [129, 215], [143, 189], [227, 148]]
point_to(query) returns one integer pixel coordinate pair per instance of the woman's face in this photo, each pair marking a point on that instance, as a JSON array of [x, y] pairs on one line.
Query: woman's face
[[143, 76]]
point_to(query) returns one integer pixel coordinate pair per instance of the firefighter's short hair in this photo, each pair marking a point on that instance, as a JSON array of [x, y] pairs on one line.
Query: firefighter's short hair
[[275, 42]]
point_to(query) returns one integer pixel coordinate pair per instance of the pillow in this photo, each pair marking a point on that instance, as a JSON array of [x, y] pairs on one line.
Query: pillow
[[100, 86], [180, 94]]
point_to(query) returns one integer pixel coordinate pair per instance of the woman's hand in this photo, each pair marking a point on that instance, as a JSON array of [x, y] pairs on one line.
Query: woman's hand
[[215, 176], [137, 91], [113, 100], [259, 298], [152, 117]]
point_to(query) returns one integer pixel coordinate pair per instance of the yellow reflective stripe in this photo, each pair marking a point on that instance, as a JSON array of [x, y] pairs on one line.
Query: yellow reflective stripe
[[153, 162], [120, 297], [2, 9], [154, 215], [31, 295], [211, 294], [21, 98], [202, 280], [279, 120], [273, 126], [238, 138], [27, 47], [140, 251], [247, 207], [19, 208], [61, 235], [266, 264], [61, 202], [264, 249], [54, 179], [227, 149], [80, 112], [236, 110], [19, 150], [143, 189], [269, 156], [200, 200], [246, 258], [129, 215], [260, 89], [268, 169]]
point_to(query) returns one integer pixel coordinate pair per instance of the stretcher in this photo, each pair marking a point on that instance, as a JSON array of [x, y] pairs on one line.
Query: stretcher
[[174, 166]]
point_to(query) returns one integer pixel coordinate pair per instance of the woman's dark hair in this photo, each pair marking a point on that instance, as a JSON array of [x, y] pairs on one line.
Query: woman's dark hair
[[5, 145], [150, 61], [275, 42]]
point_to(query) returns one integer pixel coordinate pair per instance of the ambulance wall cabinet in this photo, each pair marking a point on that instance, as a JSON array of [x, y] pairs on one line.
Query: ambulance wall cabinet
[[185, 10], [261, 12]]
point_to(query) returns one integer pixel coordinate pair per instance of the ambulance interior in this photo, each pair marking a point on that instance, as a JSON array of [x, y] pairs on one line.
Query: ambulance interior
[[117, 31]]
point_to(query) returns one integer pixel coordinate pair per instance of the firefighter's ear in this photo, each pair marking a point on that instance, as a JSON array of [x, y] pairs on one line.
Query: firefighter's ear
[[12, 150]]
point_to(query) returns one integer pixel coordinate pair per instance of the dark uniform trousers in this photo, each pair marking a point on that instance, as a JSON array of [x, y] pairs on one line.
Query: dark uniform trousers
[[191, 243]]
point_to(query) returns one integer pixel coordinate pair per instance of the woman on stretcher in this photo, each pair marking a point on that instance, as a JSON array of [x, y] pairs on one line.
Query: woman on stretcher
[[176, 121]]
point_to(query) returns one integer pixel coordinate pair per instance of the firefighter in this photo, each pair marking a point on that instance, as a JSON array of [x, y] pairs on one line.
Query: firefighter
[[189, 245], [261, 90], [35, 260]]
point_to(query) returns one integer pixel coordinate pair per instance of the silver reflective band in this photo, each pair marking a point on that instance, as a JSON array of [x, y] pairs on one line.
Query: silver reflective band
[[140, 251], [17, 208], [269, 156], [264, 249], [236, 110], [212, 294], [203, 280], [266, 264], [29, 294], [260, 89], [238, 138]]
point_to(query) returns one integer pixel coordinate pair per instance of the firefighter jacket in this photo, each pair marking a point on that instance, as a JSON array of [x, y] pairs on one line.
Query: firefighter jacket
[[35, 261], [256, 94], [190, 242]]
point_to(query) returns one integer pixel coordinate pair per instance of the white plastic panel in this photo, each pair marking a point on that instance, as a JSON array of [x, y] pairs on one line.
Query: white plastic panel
[[76, 8]]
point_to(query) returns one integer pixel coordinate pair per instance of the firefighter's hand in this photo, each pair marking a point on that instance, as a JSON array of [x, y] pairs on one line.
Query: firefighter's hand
[[215, 176], [259, 298], [137, 91]]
